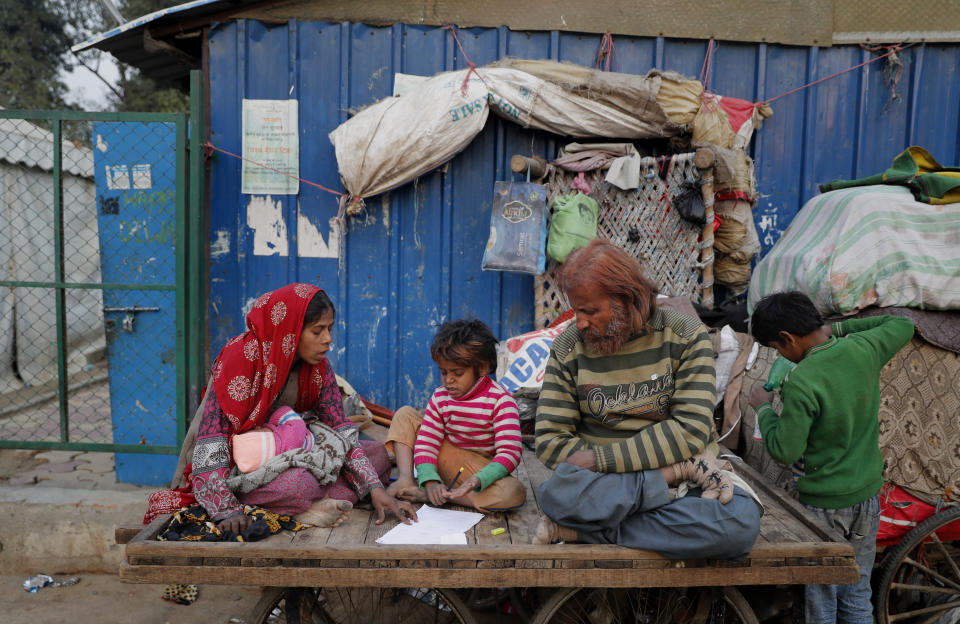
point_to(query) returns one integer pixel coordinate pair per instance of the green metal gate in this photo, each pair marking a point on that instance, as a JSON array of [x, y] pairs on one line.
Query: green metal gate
[[60, 223]]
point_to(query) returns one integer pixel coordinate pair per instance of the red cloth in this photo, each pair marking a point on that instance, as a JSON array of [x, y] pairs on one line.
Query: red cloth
[[738, 111], [900, 513], [170, 501], [249, 372], [736, 195]]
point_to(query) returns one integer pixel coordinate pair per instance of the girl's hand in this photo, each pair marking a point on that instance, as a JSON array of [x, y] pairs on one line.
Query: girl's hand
[[383, 501], [468, 486], [237, 523], [437, 493]]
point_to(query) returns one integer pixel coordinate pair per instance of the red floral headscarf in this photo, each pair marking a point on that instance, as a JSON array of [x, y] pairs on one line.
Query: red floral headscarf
[[251, 369]]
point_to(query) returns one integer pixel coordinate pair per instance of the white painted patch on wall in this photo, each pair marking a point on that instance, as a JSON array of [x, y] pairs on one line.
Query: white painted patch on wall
[[310, 242], [372, 338], [385, 202], [221, 246], [247, 306], [265, 218]]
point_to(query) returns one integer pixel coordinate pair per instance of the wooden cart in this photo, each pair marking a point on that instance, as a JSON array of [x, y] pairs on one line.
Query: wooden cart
[[792, 549]]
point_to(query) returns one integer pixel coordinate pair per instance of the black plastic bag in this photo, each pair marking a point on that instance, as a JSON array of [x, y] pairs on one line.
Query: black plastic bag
[[689, 203]]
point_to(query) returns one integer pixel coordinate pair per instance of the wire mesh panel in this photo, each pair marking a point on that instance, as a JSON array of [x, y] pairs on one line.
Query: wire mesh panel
[[643, 222], [88, 284]]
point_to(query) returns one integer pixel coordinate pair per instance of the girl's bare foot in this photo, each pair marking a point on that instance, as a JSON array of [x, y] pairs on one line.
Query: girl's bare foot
[[413, 494], [403, 482], [325, 513], [549, 532]]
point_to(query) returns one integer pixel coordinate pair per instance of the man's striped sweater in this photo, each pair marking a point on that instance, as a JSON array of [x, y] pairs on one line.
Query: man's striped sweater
[[646, 406]]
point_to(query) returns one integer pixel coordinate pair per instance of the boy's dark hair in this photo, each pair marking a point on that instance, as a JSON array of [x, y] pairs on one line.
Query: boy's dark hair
[[791, 312], [466, 342]]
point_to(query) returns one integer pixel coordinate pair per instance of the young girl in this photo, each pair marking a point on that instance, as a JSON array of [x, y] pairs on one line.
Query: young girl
[[468, 441]]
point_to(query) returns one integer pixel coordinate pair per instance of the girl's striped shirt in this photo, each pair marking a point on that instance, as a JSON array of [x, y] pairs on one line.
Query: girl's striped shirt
[[485, 420]]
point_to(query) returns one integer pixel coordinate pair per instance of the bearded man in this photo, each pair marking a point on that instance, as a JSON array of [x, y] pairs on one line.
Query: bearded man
[[624, 420]]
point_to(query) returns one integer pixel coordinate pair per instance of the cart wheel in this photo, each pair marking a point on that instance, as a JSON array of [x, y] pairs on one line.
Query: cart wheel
[[487, 599], [335, 605], [657, 605], [920, 577]]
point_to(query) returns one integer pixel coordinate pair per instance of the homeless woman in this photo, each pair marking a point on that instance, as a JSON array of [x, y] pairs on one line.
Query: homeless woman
[[272, 431]]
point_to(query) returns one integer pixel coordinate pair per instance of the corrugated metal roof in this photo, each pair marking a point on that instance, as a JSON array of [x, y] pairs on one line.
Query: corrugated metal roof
[[23, 143], [133, 42]]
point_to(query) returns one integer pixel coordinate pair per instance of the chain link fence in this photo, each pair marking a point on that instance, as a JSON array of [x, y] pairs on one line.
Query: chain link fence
[[89, 284]]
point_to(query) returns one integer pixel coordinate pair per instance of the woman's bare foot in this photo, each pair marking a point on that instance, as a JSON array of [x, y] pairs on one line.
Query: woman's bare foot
[[325, 513], [403, 482], [412, 494], [549, 532]]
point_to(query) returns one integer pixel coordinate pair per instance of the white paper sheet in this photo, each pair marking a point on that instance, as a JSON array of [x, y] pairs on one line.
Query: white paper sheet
[[435, 526]]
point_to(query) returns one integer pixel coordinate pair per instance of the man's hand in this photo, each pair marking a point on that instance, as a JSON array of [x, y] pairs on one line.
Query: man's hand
[[237, 523], [759, 396], [383, 501], [583, 459]]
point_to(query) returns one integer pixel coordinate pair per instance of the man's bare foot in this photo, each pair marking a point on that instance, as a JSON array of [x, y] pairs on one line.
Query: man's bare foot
[[402, 483], [412, 494], [549, 532], [325, 513]]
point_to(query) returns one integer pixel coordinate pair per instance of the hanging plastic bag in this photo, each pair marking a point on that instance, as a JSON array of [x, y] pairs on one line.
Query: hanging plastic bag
[[518, 228], [573, 225], [689, 203]]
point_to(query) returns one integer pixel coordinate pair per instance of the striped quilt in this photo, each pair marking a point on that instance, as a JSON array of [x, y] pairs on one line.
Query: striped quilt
[[858, 247]]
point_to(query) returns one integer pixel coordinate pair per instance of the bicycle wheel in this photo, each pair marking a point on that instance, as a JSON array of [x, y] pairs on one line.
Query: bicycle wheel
[[340, 605], [659, 605], [727, 604], [920, 578], [486, 599]]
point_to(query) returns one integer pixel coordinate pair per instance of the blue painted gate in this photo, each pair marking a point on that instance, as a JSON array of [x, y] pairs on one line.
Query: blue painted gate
[[413, 259], [136, 194]]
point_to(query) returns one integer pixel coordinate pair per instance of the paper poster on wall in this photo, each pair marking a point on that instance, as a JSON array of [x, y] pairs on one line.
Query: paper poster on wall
[[270, 138]]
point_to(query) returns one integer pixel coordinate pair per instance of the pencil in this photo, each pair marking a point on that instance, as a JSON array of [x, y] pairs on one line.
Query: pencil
[[455, 478]]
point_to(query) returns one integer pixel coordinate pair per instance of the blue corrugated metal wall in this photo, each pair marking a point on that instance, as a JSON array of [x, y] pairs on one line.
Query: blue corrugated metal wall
[[414, 259]]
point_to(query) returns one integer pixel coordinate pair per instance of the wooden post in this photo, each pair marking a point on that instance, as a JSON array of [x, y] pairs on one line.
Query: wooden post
[[703, 160], [520, 163]]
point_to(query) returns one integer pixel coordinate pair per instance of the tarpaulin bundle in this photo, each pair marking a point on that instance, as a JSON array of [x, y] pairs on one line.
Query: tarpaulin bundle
[[400, 138]]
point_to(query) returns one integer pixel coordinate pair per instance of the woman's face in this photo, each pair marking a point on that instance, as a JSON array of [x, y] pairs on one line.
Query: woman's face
[[316, 338]]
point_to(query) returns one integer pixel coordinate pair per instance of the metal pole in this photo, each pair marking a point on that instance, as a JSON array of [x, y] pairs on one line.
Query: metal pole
[[113, 11]]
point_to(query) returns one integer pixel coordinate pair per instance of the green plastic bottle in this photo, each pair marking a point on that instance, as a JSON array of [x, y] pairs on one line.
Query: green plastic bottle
[[781, 366]]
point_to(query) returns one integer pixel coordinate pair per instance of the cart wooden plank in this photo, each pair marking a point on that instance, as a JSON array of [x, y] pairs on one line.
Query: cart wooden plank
[[792, 548]]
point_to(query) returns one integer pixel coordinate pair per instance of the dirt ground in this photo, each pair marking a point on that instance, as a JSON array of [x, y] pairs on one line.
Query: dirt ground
[[104, 599]]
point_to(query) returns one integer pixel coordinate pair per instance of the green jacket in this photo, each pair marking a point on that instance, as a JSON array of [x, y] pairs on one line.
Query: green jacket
[[830, 405]]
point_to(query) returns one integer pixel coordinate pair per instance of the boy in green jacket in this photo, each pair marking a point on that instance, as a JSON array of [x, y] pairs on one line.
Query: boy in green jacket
[[831, 401]]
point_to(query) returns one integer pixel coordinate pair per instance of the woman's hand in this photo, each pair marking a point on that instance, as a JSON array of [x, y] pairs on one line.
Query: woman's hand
[[583, 459], [383, 501], [437, 493], [468, 486], [237, 523]]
